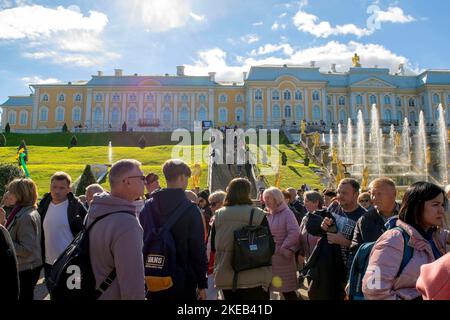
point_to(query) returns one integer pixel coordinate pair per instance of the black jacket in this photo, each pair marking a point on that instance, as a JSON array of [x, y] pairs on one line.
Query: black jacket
[[369, 228], [188, 234], [325, 269], [75, 215], [300, 209], [9, 288]]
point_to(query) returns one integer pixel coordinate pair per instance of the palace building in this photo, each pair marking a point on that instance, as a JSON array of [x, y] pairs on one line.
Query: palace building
[[268, 97]]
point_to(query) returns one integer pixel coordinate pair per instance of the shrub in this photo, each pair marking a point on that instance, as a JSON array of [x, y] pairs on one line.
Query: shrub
[[73, 142], [7, 128], [8, 173], [86, 179], [64, 128], [142, 143], [2, 140]]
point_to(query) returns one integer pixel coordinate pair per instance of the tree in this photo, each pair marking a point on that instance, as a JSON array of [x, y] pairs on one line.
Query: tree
[[86, 179], [73, 142], [2, 140], [8, 173], [142, 142], [7, 128], [64, 128]]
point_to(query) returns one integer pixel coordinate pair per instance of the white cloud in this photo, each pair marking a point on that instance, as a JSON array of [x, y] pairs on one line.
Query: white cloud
[[250, 38], [277, 26], [258, 24], [284, 14], [394, 15], [78, 59], [39, 80], [332, 52], [310, 23], [160, 15], [197, 17], [271, 48], [34, 22], [60, 35]]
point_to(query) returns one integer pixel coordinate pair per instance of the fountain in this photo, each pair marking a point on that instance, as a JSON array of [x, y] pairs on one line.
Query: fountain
[[422, 158], [405, 141], [391, 145], [349, 142], [361, 142], [110, 153], [443, 146], [376, 137], [340, 143]]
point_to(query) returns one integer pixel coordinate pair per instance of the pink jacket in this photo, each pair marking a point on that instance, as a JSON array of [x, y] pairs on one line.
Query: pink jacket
[[434, 280], [285, 230], [380, 282]]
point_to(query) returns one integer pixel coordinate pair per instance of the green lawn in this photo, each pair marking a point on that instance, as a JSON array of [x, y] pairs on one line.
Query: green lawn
[[44, 161], [294, 174]]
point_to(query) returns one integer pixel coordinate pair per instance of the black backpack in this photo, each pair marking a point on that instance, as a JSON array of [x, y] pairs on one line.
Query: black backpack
[[253, 248], [160, 251], [71, 277]]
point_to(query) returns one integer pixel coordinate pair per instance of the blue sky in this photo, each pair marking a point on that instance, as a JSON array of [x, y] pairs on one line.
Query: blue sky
[[48, 41]]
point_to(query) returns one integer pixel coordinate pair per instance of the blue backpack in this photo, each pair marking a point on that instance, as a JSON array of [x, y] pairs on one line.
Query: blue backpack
[[361, 262], [160, 254]]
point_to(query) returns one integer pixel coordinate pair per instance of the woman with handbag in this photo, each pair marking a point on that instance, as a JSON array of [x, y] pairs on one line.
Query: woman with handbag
[[286, 232], [250, 284], [24, 226]]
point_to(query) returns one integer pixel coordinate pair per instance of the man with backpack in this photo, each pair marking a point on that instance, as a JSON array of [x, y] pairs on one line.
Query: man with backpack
[[62, 215], [174, 248], [116, 240]]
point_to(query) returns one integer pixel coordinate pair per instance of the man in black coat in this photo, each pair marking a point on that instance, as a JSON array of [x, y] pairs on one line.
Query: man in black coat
[[190, 279], [9, 288]]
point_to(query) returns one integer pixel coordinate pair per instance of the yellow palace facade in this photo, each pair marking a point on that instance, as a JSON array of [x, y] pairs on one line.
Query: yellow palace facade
[[268, 97]]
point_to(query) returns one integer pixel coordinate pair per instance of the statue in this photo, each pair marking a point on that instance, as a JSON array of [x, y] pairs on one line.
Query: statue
[[355, 61], [335, 155], [196, 174], [303, 127], [428, 155], [365, 178], [278, 178], [340, 172]]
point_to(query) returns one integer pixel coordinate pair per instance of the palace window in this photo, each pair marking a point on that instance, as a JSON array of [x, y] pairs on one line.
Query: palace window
[[298, 95], [316, 96], [275, 95], [287, 95], [342, 101], [258, 94]]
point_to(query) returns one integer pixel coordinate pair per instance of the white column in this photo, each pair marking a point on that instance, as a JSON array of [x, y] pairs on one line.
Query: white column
[[306, 105], [394, 108], [269, 106], [124, 109], [106, 117], [4, 115], [336, 108], [406, 109], [140, 105], [158, 105], [192, 110], [429, 116], [211, 104], [324, 103], [88, 108], [250, 115], [175, 110], [365, 96], [34, 110]]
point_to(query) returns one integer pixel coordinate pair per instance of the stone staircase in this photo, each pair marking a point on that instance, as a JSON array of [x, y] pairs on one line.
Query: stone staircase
[[222, 174]]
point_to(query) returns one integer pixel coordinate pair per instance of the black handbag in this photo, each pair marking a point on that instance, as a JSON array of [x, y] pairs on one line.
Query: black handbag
[[253, 248]]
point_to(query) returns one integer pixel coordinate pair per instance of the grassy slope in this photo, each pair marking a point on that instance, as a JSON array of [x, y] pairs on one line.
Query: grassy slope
[[44, 161]]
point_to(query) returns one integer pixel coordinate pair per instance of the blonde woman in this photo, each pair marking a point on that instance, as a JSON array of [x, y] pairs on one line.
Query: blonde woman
[[286, 232], [24, 226]]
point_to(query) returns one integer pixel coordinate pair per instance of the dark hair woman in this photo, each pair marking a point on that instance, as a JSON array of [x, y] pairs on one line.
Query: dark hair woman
[[252, 284], [420, 224]]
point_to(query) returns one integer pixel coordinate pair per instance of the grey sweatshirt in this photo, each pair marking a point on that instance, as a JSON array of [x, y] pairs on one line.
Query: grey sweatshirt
[[116, 242]]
